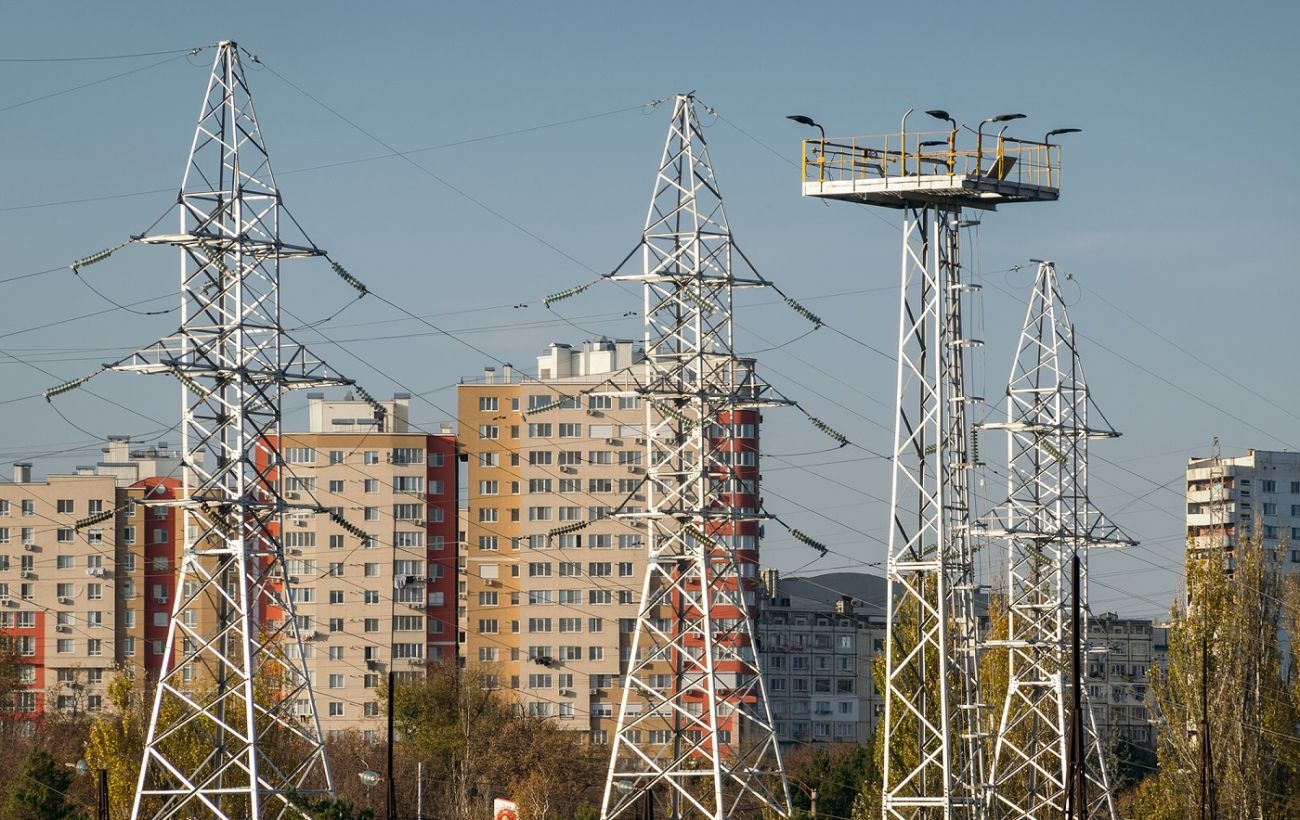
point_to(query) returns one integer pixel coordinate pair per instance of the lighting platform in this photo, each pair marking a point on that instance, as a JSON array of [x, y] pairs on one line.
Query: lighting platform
[[906, 169]]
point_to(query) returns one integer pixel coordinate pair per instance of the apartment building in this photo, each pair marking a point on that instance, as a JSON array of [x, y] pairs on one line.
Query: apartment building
[[1121, 654], [1259, 489], [551, 579], [818, 639], [57, 600], [386, 602], [551, 616]]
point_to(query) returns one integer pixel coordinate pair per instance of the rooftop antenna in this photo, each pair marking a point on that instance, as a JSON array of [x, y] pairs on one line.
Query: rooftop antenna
[[233, 629], [934, 729]]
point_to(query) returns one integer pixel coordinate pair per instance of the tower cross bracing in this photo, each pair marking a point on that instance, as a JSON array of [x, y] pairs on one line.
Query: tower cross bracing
[[934, 724], [1047, 520], [233, 731], [692, 676]]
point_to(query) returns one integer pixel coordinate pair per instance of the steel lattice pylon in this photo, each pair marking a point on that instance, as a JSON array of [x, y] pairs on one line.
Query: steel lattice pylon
[[239, 685], [1047, 520], [934, 758], [933, 765], [693, 671]]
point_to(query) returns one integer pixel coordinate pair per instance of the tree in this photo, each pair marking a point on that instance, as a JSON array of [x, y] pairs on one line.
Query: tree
[[837, 771], [1238, 604], [476, 745], [38, 792]]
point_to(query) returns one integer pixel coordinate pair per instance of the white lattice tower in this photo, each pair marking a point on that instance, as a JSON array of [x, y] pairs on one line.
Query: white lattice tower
[[693, 675], [233, 682], [934, 763], [934, 739], [1048, 519]]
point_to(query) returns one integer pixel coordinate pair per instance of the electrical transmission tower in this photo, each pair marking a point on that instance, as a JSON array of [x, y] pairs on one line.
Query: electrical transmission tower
[[233, 682], [934, 737], [693, 687], [1047, 754]]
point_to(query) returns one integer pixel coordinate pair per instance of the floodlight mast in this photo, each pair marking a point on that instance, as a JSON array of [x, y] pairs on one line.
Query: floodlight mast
[[934, 728], [233, 631], [693, 673], [1047, 752]]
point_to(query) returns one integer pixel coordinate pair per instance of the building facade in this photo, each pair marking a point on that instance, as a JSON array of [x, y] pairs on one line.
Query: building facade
[[385, 602], [1259, 489], [1121, 655], [818, 639], [552, 578], [58, 588]]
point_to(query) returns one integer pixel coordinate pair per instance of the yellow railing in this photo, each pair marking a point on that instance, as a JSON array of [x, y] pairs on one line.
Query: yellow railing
[[930, 154]]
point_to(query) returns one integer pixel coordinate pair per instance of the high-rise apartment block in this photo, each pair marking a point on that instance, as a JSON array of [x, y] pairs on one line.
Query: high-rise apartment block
[[58, 603], [1229, 497], [385, 602], [551, 576]]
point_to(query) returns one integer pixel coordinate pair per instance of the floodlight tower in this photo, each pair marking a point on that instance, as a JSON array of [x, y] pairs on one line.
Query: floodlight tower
[[1047, 751], [695, 733], [934, 736], [233, 682]]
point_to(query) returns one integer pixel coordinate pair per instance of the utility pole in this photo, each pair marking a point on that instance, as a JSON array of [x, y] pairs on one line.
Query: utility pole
[[1207, 797], [233, 623], [1076, 796], [392, 785]]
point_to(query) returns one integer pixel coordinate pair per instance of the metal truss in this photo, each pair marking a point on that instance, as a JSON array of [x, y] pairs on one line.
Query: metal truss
[[693, 675], [933, 754], [233, 684], [1047, 520]]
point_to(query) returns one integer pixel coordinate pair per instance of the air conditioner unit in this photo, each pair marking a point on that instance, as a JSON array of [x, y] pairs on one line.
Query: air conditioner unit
[[634, 470], [61, 628], [293, 496], [487, 582], [568, 469], [30, 547], [595, 691], [300, 522], [417, 605], [640, 441], [293, 579], [611, 441], [295, 551], [594, 413], [4, 601], [63, 599], [27, 573], [419, 522], [564, 693]]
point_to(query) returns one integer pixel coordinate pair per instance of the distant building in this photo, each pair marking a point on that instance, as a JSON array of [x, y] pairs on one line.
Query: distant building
[[61, 596], [1121, 653], [818, 639], [387, 602], [551, 618], [1259, 489]]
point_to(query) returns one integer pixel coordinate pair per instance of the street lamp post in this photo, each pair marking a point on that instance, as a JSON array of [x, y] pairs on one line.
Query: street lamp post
[[979, 134]]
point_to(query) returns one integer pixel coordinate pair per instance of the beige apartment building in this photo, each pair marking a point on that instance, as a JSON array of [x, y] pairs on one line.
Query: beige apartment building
[[385, 603], [57, 583], [551, 580]]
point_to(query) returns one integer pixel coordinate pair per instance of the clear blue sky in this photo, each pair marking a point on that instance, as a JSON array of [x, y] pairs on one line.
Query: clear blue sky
[[1174, 209]]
